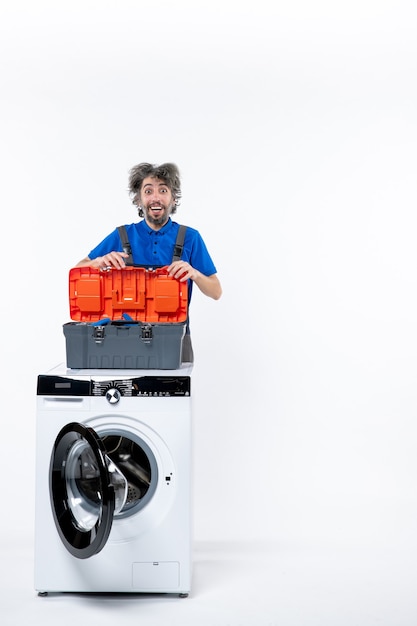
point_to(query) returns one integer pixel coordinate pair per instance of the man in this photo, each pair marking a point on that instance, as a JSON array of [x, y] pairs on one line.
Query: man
[[156, 191]]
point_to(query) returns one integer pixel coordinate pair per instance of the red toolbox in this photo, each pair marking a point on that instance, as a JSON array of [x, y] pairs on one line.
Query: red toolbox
[[129, 318]]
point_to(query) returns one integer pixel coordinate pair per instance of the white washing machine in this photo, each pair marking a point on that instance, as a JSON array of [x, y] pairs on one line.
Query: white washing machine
[[113, 481]]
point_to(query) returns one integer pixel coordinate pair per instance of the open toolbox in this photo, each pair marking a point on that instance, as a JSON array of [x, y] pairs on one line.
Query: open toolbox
[[130, 318]]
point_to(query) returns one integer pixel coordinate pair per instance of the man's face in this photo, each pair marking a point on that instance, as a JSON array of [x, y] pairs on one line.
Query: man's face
[[156, 201]]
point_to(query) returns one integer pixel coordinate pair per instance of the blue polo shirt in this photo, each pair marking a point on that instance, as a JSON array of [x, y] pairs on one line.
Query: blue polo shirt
[[156, 247]]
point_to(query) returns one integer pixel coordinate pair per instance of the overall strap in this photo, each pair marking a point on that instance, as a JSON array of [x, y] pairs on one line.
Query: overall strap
[[126, 244], [179, 244]]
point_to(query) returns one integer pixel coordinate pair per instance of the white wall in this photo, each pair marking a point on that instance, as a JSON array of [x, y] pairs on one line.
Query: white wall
[[294, 126]]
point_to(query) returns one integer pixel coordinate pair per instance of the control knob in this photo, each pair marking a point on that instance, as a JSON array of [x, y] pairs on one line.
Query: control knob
[[113, 395]]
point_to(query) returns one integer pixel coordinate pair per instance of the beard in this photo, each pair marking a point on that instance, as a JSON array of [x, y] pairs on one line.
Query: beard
[[157, 217]]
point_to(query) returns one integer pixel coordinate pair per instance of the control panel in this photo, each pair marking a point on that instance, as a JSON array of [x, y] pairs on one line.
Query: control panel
[[137, 386]]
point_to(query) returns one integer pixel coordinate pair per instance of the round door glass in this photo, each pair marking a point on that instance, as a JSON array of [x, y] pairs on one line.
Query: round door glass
[[83, 485], [82, 478]]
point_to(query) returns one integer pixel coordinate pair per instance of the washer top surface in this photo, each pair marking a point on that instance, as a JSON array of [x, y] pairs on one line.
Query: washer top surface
[[104, 374]]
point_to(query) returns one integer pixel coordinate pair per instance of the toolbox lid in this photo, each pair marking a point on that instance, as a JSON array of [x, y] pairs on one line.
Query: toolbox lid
[[143, 294]]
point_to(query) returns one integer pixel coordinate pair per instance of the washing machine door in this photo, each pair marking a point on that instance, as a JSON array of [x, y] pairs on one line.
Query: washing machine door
[[83, 494]]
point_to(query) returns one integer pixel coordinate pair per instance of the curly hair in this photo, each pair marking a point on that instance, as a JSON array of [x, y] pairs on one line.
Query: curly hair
[[167, 172]]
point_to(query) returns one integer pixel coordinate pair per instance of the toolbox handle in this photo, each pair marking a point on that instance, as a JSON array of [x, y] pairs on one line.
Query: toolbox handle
[[126, 321]]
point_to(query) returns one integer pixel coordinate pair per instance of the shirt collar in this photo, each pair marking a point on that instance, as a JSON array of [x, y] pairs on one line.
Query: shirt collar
[[165, 228]]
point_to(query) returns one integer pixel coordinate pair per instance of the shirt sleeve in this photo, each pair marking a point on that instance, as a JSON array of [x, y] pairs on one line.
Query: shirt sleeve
[[200, 258]]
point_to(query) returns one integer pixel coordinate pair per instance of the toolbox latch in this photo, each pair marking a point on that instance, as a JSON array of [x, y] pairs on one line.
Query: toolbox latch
[[146, 333], [98, 334]]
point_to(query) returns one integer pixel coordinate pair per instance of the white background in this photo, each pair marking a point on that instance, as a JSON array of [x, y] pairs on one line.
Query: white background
[[294, 127]]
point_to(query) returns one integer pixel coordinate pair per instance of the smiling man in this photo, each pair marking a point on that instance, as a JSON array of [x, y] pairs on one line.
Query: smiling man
[[156, 190]]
